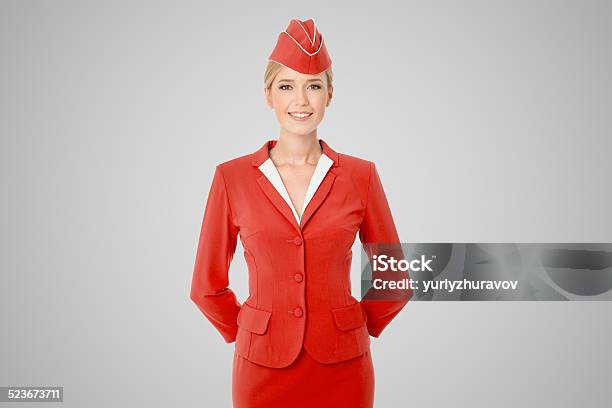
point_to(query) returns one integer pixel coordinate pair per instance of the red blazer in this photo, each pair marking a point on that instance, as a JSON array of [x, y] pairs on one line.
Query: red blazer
[[299, 284]]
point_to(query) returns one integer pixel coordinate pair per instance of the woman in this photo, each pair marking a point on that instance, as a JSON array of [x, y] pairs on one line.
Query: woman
[[302, 339]]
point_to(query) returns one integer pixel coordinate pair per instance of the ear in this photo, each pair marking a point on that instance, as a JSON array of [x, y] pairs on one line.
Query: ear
[[268, 96], [330, 95]]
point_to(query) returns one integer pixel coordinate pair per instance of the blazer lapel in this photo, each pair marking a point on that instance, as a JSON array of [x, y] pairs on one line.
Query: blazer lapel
[[278, 201], [262, 154], [318, 197]]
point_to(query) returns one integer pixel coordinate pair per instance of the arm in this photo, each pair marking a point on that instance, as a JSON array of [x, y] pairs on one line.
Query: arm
[[378, 227], [216, 247]]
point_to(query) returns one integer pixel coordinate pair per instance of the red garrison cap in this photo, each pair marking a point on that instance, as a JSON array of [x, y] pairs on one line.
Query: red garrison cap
[[301, 48]]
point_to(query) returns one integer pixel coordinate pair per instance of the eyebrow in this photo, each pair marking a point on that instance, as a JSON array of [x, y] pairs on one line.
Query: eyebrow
[[291, 80]]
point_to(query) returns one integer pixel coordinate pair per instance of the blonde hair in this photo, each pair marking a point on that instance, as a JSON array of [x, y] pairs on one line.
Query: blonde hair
[[274, 68]]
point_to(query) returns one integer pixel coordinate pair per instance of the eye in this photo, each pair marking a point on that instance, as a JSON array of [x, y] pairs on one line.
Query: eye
[[316, 86], [282, 87]]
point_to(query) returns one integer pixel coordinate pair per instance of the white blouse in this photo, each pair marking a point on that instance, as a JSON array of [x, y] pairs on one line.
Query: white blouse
[[271, 172]]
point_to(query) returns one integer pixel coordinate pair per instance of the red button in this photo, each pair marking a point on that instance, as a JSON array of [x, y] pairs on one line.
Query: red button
[[298, 312], [297, 241], [298, 277]]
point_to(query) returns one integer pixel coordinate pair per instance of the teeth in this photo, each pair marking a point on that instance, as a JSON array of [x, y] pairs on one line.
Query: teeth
[[300, 115]]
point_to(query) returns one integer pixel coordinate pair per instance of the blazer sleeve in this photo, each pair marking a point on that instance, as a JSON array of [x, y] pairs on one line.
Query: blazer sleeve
[[378, 227], [216, 247]]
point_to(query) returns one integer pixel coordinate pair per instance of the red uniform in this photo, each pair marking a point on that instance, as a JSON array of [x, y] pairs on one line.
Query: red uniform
[[301, 338]]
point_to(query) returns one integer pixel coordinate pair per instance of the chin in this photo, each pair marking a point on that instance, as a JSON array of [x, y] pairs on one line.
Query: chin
[[303, 132], [299, 130]]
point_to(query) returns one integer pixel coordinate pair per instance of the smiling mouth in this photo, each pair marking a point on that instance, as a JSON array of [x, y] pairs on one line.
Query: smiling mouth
[[300, 115]]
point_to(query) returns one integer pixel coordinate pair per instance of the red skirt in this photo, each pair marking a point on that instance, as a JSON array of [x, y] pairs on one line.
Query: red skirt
[[304, 383]]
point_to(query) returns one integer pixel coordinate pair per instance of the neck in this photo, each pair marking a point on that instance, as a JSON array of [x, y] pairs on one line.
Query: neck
[[296, 149]]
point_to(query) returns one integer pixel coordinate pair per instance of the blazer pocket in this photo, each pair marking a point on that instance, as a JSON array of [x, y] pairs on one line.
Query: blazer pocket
[[349, 317], [253, 320]]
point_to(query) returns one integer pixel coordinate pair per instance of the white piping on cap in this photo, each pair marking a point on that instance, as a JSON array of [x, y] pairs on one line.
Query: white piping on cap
[[312, 40], [309, 53]]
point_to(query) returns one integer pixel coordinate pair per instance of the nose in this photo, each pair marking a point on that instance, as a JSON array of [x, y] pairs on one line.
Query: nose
[[301, 96]]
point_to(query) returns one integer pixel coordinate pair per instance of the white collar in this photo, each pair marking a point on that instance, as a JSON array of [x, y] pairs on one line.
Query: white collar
[[271, 172]]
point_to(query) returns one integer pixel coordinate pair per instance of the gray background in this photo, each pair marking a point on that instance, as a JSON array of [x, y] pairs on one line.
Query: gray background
[[488, 121]]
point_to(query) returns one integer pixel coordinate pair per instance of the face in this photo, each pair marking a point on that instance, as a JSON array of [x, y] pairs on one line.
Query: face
[[299, 100]]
